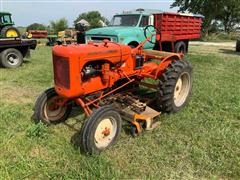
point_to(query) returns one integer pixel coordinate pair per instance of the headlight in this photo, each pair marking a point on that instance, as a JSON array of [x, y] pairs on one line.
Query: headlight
[[114, 39]]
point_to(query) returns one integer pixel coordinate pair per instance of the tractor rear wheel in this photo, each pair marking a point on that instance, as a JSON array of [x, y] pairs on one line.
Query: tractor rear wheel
[[47, 109], [11, 58], [10, 32], [238, 46], [175, 87], [100, 130]]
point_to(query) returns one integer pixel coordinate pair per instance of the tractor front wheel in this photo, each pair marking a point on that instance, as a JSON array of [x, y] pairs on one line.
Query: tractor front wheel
[[48, 109], [10, 32], [100, 130], [175, 86]]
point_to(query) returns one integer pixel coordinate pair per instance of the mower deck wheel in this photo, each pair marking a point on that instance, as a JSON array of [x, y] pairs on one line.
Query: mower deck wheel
[[100, 130], [47, 109], [175, 87]]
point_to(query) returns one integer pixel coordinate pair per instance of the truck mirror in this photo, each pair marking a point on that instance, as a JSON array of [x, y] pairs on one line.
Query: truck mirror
[[151, 20]]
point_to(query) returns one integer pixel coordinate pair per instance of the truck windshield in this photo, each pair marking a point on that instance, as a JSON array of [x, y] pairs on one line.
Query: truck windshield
[[125, 20]]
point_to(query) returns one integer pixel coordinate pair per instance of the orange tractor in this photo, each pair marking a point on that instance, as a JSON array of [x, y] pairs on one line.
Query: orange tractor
[[111, 82]]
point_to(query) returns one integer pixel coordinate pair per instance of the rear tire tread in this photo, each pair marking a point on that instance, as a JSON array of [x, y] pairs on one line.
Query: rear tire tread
[[167, 85]]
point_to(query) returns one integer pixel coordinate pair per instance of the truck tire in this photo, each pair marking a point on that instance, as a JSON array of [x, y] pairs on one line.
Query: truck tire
[[9, 32], [180, 47], [47, 112], [238, 45], [175, 86], [100, 130], [11, 58]]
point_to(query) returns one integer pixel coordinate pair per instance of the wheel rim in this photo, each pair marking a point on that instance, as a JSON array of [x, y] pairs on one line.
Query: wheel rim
[[105, 132], [182, 89], [52, 111], [11, 33], [12, 59], [182, 49]]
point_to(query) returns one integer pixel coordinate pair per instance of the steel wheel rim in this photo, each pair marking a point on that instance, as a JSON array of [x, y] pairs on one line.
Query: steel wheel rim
[[182, 89], [52, 111], [105, 132], [12, 59], [11, 33]]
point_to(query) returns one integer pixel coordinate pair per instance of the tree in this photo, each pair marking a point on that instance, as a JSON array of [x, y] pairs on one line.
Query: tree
[[59, 25], [208, 8], [36, 26], [93, 18], [228, 12]]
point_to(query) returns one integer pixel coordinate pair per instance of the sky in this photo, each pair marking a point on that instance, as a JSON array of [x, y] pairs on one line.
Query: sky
[[25, 12]]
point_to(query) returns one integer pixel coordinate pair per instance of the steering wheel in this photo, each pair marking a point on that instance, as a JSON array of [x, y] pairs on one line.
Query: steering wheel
[[153, 32]]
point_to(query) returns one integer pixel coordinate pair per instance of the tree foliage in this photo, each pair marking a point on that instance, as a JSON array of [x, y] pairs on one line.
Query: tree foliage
[[36, 26], [59, 25], [93, 18], [228, 12]]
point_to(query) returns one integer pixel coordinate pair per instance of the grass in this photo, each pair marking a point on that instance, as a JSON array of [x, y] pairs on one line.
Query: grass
[[202, 141]]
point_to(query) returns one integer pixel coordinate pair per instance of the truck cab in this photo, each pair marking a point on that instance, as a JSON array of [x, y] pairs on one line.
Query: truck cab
[[126, 28]]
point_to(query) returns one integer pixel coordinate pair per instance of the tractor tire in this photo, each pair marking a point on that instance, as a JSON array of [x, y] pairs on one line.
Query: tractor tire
[[175, 86], [100, 130], [11, 58], [238, 45], [46, 112], [180, 47], [10, 32]]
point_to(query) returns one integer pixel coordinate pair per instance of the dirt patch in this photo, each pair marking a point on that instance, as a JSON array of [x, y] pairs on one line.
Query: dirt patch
[[221, 44]]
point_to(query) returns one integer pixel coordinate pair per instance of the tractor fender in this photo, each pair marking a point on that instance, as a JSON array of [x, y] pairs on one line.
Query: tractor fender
[[166, 62]]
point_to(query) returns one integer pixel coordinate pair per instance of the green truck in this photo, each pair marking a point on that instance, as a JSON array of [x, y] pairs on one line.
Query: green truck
[[7, 29], [172, 30], [126, 28]]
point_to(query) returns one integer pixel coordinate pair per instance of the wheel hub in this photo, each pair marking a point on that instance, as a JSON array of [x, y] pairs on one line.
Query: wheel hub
[[105, 132], [12, 59], [11, 33], [52, 111], [182, 89]]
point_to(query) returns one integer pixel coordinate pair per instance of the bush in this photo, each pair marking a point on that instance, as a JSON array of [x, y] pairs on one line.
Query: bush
[[36, 26]]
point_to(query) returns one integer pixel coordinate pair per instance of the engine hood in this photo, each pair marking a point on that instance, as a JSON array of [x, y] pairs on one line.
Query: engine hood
[[111, 30]]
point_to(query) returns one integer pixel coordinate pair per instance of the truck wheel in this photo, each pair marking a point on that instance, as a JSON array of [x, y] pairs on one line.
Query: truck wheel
[[10, 32], [47, 111], [100, 130], [238, 46], [175, 87], [11, 58], [180, 47]]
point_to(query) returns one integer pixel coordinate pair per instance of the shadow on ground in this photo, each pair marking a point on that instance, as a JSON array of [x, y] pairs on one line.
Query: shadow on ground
[[229, 51]]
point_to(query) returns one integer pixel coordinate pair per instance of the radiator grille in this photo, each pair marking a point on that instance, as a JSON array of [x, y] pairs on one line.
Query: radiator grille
[[61, 71]]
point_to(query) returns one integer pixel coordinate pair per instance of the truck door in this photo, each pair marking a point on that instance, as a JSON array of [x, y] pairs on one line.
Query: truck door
[[147, 20]]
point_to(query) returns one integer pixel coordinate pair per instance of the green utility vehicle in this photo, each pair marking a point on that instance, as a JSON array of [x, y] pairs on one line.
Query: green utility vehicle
[[6, 26]]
